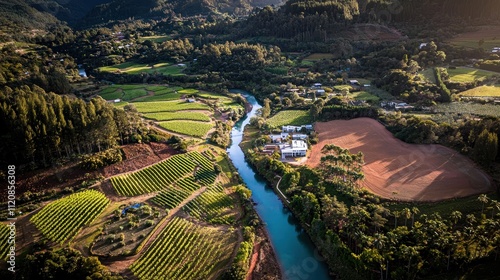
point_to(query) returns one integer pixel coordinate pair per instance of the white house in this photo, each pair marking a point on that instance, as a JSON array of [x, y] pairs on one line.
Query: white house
[[297, 148], [290, 128], [320, 92], [299, 136], [278, 138], [294, 128], [317, 85]]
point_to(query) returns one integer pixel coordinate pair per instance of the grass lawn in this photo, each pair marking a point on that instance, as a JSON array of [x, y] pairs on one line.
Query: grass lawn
[[159, 97], [290, 117], [483, 91], [364, 95], [188, 91], [137, 68], [191, 128], [319, 56], [130, 94], [117, 94], [468, 75], [156, 39], [182, 115]]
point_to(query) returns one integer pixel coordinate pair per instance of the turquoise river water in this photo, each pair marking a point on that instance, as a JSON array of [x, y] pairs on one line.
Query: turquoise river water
[[295, 251]]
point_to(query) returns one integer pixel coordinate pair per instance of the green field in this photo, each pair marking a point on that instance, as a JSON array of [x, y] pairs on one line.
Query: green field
[[469, 108], [185, 250], [363, 95], [160, 96], [277, 70], [483, 91], [468, 75], [62, 219], [290, 117], [182, 115], [156, 39], [191, 128], [137, 68], [168, 106]]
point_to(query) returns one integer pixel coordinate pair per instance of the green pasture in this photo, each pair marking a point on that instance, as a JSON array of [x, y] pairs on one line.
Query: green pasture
[[137, 68], [483, 91], [191, 128], [468, 75], [290, 117]]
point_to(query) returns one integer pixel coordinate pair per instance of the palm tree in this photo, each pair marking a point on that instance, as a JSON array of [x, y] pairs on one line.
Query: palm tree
[[495, 205], [483, 199], [406, 214], [414, 211], [396, 214], [455, 216]]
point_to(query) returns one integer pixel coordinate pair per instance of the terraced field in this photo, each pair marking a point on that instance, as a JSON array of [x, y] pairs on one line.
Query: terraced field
[[161, 175], [213, 206], [169, 106], [185, 250], [4, 238], [183, 115], [191, 128], [62, 219]]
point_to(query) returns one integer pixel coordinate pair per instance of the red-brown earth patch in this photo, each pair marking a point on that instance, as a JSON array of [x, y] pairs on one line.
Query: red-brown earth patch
[[397, 170]]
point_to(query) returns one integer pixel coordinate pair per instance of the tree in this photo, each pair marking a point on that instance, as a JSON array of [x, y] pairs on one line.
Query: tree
[[483, 199], [406, 214], [266, 109], [64, 263], [486, 148]]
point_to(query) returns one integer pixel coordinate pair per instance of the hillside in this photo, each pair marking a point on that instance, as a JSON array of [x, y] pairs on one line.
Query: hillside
[[18, 19], [124, 9]]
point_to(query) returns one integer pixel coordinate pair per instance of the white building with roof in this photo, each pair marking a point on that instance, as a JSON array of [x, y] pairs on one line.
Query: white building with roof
[[297, 148]]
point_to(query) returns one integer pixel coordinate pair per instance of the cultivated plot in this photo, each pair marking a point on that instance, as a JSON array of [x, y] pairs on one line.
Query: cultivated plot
[[397, 170]]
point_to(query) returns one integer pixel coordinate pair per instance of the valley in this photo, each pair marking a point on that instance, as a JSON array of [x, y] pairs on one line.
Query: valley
[[249, 139]]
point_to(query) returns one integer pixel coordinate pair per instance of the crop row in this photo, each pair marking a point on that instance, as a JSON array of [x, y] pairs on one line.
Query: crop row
[[176, 193], [185, 250], [4, 238], [161, 175], [62, 219], [212, 206], [155, 177]]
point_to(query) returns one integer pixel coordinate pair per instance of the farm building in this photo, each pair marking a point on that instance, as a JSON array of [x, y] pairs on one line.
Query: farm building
[[317, 85], [320, 92], [294, 128], [278, 138], [297, 148]]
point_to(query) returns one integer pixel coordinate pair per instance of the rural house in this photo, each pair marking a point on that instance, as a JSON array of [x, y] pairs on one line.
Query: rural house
[[297, 148]]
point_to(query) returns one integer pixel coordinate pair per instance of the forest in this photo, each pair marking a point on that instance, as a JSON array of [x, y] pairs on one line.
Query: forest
[[51, 115]]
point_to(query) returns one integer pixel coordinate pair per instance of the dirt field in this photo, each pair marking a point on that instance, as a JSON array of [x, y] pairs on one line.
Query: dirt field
[[397, 170]]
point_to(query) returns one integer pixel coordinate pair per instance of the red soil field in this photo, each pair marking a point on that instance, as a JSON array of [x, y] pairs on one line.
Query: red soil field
[[397, 170]]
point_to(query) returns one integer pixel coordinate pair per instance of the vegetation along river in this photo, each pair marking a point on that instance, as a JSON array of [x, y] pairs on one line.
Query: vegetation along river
[[295, 251]]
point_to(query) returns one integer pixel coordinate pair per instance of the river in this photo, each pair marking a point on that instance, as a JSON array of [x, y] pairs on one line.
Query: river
[[294, 249]]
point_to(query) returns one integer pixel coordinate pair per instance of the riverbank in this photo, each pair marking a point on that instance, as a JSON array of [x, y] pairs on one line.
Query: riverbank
[[294, 251], [263, 263]]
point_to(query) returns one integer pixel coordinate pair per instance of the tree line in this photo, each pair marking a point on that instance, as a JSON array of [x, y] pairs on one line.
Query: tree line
[[41, 127]]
